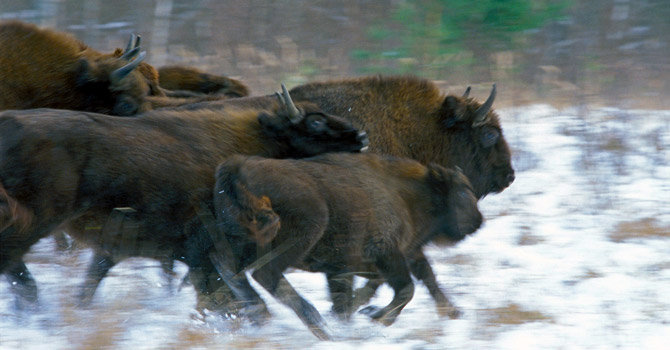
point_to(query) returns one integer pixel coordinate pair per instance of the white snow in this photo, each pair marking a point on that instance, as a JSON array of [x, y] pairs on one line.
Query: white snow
[[546, 250]]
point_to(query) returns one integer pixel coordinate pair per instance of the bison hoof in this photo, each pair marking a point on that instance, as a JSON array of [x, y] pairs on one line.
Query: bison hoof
[[449, 311], [258, 314], [380, 315]]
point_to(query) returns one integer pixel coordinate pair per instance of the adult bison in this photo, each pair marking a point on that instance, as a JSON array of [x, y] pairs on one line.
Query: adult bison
[[340, 214], [41, 67], [71, 169]]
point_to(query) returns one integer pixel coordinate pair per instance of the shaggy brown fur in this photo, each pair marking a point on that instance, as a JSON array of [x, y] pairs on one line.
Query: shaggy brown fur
[[41, 67], [410, 117], [72, 168], [340, 214], [192, 79]]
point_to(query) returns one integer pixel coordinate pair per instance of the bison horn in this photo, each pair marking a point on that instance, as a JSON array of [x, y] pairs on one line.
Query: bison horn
[[480, 113], [131, 42], [132, 48], [467, 92], [129, 55], [125, 70], [294, 114]]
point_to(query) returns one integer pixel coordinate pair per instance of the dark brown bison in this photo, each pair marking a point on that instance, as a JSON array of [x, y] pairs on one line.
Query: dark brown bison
[[41, 67], [67, 169], [192, 79], [409, 117], [340, 214]]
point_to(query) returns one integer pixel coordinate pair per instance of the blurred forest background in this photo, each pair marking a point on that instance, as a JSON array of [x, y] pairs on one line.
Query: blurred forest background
[[605, 52]]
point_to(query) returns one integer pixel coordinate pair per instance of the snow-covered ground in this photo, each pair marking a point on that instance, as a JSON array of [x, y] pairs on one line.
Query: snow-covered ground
[[574, 255]]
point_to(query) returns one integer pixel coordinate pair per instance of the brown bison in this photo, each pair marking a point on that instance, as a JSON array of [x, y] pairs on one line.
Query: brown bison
[[340, 214], [182, 78], [409, 117], [45, 68], [71, 169]]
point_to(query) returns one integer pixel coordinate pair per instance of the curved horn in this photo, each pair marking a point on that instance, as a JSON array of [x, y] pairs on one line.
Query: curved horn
[[131, 42], [294, 114], [280, 98], [125, 70], [138, 40], [467, 92], [129, 55], [480, 113]]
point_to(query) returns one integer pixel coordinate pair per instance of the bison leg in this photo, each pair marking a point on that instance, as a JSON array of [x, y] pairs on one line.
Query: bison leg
[[270, 276], [284, 292], [211, 292], [393, 267], [97, 270], [422, 271], [62, 243], [341, 293], [167, 268], [224, 260], [13, 245], [23, 285], [250, 302], [363, 295]]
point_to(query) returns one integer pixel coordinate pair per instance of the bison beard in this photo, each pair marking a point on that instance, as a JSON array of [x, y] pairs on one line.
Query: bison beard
[[70, 169], [339, 214]]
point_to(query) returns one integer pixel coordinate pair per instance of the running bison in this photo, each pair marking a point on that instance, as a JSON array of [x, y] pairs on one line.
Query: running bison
[[66, 169], [340, 214], [41, 67]]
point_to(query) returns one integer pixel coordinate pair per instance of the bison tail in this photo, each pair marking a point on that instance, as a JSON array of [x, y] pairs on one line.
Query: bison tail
[[242, 213], [12, 213]]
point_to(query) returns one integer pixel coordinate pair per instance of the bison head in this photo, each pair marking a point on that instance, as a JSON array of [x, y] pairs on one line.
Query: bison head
[[476, 143], [112, 84], [454, 203], [308, 131]]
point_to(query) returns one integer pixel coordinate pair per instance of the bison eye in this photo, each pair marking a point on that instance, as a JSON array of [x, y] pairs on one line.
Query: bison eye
[[316, 123], [124, 107], [489, 137]]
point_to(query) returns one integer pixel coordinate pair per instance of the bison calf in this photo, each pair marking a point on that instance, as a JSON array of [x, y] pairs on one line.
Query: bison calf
[[340, 214]]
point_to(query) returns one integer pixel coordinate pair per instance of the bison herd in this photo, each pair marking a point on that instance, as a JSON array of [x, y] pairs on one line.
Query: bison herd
[[177, 164]]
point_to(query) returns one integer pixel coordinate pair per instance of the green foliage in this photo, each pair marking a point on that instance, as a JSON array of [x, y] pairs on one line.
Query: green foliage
[[430, 37]]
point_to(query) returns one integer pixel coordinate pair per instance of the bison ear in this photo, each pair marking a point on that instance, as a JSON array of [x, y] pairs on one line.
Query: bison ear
[[452, 111], [269, 124]]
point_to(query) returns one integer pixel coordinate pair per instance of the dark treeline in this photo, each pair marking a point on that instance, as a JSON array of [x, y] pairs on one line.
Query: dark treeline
[[605, 51]]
